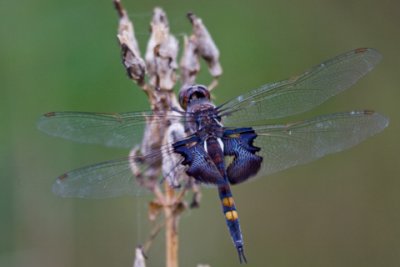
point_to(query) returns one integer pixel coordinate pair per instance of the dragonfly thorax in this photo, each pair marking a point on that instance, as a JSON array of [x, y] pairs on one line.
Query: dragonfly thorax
[[203, 119]]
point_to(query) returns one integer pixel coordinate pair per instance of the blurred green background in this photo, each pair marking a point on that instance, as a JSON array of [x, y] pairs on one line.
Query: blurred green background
[[342, 210]]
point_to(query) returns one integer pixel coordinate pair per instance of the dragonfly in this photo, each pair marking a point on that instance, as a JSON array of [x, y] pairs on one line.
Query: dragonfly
[[239, 130]]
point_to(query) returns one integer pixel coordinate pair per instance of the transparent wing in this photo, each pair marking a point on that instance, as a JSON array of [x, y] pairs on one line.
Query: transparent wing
[[106, 179], [284, 146], [114, 178], [115, 129], [301, 93]]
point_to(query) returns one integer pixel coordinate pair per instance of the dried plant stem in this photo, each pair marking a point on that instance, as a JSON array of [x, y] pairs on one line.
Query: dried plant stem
[[171, 228], [156, 75]]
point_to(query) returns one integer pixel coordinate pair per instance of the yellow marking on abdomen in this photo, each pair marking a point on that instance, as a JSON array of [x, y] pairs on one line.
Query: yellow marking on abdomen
[[228, 201], [231, 215], [237, 135]]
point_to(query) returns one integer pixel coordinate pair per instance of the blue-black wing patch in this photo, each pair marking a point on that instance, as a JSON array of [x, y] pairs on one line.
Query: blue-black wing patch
[[200, 165], [239, 144]]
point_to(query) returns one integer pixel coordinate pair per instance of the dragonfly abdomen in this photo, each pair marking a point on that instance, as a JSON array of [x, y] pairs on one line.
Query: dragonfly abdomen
[[214, 148], [232, 219]]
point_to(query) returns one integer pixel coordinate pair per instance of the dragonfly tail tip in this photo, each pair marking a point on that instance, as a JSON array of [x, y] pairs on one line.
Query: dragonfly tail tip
[[242, 257]]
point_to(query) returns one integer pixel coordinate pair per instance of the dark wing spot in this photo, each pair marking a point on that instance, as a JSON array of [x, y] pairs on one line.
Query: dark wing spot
[[50, 114], [62, 177], [360, 50]]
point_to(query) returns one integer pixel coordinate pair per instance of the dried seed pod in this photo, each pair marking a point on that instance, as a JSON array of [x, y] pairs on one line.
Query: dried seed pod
[[161, 53], [205, 45], [133, 62], [145, 177], [189, 64], [172, 169], [139, 258]]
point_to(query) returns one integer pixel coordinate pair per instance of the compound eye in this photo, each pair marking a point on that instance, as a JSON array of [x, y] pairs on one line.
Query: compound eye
[[191, 92], [184, 97], [203, 90]]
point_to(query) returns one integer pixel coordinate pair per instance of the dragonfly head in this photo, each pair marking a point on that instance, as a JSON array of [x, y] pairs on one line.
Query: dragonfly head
[[192, 92]]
